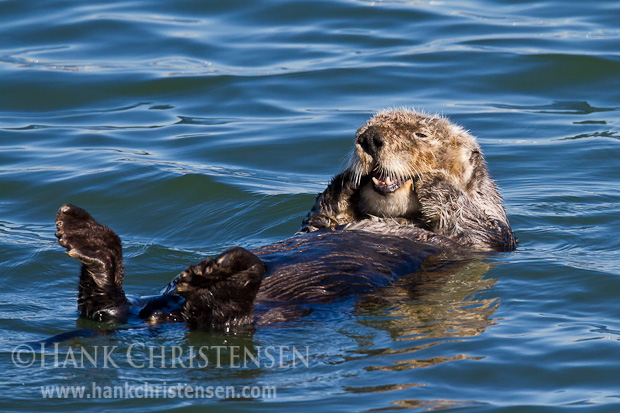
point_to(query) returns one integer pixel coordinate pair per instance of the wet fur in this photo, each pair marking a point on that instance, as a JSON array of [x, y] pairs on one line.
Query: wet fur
[[224, 292], [353, 240], [451, 192]]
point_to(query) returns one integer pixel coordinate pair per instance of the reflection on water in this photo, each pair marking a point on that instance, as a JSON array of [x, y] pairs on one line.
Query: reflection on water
[[429, 405], [438, 305], [442, 303]]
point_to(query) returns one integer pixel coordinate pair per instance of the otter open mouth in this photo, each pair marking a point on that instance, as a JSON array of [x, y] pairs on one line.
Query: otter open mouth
[[385, 184]]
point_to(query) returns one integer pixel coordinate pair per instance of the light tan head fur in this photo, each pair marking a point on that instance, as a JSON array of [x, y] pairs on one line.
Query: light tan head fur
[[403, 146]]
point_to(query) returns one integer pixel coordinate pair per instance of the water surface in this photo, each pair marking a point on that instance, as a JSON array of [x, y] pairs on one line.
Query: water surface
[[190, 127]]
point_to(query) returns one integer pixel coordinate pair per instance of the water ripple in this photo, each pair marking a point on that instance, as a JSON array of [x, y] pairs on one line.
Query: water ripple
[[191, 127]]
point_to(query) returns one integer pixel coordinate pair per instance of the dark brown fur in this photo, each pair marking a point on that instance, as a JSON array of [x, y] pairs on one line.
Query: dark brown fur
[[416, 186]]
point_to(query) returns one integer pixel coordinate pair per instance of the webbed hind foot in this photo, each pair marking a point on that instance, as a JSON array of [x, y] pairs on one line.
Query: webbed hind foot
[[220, 291], [98, 248]]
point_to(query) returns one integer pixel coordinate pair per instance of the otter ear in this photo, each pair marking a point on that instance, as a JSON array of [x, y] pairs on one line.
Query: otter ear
[[476, 159]]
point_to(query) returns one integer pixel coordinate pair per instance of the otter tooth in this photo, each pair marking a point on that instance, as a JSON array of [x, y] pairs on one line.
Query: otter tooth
[[375, 181]]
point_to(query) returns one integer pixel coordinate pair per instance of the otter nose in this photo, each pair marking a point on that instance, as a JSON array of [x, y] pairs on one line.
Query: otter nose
[[371, 141]]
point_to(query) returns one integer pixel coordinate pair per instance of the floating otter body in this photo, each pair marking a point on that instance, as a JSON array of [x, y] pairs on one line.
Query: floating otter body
[[416, 186]]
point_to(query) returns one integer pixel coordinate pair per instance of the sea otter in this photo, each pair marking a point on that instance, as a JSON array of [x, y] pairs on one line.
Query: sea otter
[[416, 186]]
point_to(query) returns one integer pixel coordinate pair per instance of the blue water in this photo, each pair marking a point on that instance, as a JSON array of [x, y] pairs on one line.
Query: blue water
[[189, 127]]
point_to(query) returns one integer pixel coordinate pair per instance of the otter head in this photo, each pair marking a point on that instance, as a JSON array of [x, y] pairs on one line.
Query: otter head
[[395, 148]]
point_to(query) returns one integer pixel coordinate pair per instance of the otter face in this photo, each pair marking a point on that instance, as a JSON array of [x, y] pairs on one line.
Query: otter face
[[395, 148]]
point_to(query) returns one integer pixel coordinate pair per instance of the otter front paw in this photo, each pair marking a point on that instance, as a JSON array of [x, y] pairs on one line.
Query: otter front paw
[[335, 206], [314, 222], [434, 192], [220, 291], [453, 213]]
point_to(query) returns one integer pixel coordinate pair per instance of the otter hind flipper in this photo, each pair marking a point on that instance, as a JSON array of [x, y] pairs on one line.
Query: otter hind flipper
[[219, 292], [98, 248]]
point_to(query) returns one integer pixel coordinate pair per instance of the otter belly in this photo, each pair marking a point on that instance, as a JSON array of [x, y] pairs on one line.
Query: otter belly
[[325, 265]]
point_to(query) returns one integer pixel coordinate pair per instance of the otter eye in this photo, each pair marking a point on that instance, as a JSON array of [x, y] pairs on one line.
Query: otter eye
[[419, 135]]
